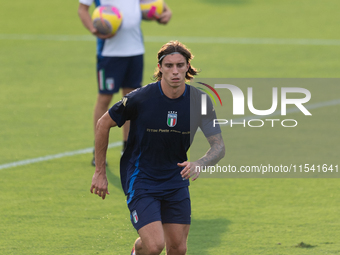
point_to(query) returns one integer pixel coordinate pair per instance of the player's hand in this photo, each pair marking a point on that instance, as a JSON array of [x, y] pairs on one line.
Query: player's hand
[[165, 17], [151, 15], [99, 185], [95, 32], [190, 170]]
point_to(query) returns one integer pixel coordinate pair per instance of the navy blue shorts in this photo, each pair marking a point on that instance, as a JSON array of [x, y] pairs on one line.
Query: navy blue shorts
[[170, 206], [114, 73]]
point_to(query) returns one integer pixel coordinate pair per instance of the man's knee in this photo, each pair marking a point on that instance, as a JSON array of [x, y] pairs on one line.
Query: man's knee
[[154, 248], [179, 249]]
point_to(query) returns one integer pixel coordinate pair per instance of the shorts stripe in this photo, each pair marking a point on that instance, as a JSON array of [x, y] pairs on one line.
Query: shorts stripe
[[101, 82], [132, 180]]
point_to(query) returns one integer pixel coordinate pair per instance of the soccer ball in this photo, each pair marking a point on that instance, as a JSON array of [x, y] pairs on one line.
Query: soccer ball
[[107, 19], [151, 8]]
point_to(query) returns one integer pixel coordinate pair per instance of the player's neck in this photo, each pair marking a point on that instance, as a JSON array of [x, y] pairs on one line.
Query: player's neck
[[172, 92]]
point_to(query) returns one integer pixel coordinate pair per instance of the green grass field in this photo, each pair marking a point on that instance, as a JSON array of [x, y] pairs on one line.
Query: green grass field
[[48, 91]]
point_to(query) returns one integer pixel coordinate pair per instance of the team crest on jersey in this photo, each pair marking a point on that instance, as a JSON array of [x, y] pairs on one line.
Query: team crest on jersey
[[135, 216], [172, 119]]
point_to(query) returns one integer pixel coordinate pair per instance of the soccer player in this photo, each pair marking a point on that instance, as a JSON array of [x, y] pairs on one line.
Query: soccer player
[[155, 173], [119, 56]]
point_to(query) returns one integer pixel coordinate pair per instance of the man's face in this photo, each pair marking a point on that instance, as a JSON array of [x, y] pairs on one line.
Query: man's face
[[174, 68]]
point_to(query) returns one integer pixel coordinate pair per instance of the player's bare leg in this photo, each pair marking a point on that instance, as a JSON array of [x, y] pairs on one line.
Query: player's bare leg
[[176, 236], [151, 240]]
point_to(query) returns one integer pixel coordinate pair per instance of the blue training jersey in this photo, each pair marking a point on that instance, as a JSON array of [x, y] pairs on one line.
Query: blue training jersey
[[161, 131]]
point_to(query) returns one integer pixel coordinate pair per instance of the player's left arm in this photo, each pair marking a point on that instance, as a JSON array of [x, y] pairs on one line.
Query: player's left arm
[[213, 155]]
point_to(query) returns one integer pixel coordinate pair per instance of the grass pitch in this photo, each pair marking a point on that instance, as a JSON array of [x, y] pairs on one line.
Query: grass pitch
[[48, 91]]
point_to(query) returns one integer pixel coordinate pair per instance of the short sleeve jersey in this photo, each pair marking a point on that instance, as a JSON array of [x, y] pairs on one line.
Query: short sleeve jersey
[[161, 131], [128, 41]]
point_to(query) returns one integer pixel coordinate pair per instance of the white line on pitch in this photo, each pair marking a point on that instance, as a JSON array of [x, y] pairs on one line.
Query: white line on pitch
[[49, 157], [186, 39]]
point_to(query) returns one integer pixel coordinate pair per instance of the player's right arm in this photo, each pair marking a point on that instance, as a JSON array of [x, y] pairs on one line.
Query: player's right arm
[[83, 12], [99, 179]]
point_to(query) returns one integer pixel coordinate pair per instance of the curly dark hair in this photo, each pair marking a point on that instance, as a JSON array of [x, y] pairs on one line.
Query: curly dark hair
[[171, 47]]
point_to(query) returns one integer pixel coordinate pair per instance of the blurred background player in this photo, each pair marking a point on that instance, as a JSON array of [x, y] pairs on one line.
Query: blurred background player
[[154, 170], [119, 56]]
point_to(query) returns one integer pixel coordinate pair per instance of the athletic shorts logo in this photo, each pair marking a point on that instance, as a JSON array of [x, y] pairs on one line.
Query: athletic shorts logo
[[135, 216], [172, 119], [110, 84]]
